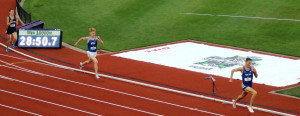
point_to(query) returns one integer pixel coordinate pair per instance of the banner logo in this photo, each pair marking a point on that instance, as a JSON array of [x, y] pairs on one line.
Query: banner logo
[[220, 62]]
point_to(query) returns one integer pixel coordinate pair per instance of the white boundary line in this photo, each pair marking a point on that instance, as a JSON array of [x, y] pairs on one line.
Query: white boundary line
[[249, 17], [152, 86], [124, 93], [84, 97], [20, 110], [24, 59], [46, 101], [21, 69]]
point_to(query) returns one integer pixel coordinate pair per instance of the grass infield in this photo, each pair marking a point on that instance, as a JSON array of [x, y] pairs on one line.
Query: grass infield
[[127, 24]]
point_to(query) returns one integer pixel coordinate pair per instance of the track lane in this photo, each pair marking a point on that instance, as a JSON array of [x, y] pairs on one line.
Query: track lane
[[92, 92], [12, 111], [68, 100], [34, 105]]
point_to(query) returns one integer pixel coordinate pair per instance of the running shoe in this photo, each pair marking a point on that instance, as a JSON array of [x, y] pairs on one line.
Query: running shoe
[[250, 109], [80, 65], [97, 77], [233, 104], [7, 50], [13, 46]]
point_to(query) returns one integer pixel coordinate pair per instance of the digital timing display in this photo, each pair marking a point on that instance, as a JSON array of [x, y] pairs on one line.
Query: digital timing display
[[39, 38]]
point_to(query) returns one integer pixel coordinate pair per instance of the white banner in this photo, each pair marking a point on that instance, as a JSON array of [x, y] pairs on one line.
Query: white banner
[[272, 70]]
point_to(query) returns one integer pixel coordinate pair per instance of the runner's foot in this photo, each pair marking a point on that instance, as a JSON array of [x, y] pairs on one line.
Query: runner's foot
[[80, 65], [233, 104], [250, 109], [97, 76]]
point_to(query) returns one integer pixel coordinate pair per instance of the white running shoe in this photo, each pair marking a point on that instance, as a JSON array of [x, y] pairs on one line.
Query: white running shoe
[[80, 65], [250, 109], [97, 77], [233, 104]]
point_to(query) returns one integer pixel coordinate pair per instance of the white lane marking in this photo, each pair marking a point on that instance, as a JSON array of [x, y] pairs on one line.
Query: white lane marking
[[249, 17], [20, 110], [47, 101], [23, 69], [24, 59], [149, 85], [84, 97], [150, 99], [198, 14]]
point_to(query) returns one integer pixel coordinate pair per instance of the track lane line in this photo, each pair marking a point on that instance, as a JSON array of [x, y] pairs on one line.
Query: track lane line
[[36, 99], [111, 90], [84, 97], [249, 17], [10, 107]]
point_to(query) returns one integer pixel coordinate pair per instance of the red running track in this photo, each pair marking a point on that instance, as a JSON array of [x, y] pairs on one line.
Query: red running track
[[178, 78], [67, 92], [95, 93]]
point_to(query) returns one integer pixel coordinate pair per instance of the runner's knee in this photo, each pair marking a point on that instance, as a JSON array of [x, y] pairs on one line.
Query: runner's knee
[[254, 92], [95, 62]]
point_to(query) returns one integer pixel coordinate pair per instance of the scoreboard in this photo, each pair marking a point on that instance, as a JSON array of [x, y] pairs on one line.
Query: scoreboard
[[39, 38]]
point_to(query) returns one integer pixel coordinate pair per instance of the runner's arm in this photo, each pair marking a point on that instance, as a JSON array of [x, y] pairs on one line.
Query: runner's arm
[[8, 22], [99, 39], [235, 70], [83, 38], [254, 72]]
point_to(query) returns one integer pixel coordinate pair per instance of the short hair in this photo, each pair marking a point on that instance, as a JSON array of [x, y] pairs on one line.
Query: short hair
[[248, 59], [92, 29], [10, 10]]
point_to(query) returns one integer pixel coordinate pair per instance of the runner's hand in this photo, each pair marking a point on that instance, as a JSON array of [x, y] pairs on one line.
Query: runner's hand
[[75, 45]]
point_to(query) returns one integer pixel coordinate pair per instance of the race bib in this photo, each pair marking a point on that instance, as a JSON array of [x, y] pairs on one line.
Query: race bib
[[12, 25], [247, 79], [93, 48]]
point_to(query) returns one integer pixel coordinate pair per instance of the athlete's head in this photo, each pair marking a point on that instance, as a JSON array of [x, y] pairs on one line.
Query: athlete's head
[[248, 62], [92, 31], [11, 11]]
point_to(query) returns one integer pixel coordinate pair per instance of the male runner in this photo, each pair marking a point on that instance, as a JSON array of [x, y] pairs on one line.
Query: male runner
[[247, 77], [12, 22], [92, 49]]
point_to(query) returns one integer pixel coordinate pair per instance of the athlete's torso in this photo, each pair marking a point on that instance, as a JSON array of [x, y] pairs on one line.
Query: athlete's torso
[[92, 44], [13, 24], [247, 76]]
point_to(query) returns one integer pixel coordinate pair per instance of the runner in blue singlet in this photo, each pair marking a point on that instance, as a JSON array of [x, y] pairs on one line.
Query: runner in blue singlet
[[92, 41], [247, 77]]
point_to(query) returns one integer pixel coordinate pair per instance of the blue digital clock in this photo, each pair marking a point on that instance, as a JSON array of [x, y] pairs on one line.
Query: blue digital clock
[[39, 38]]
